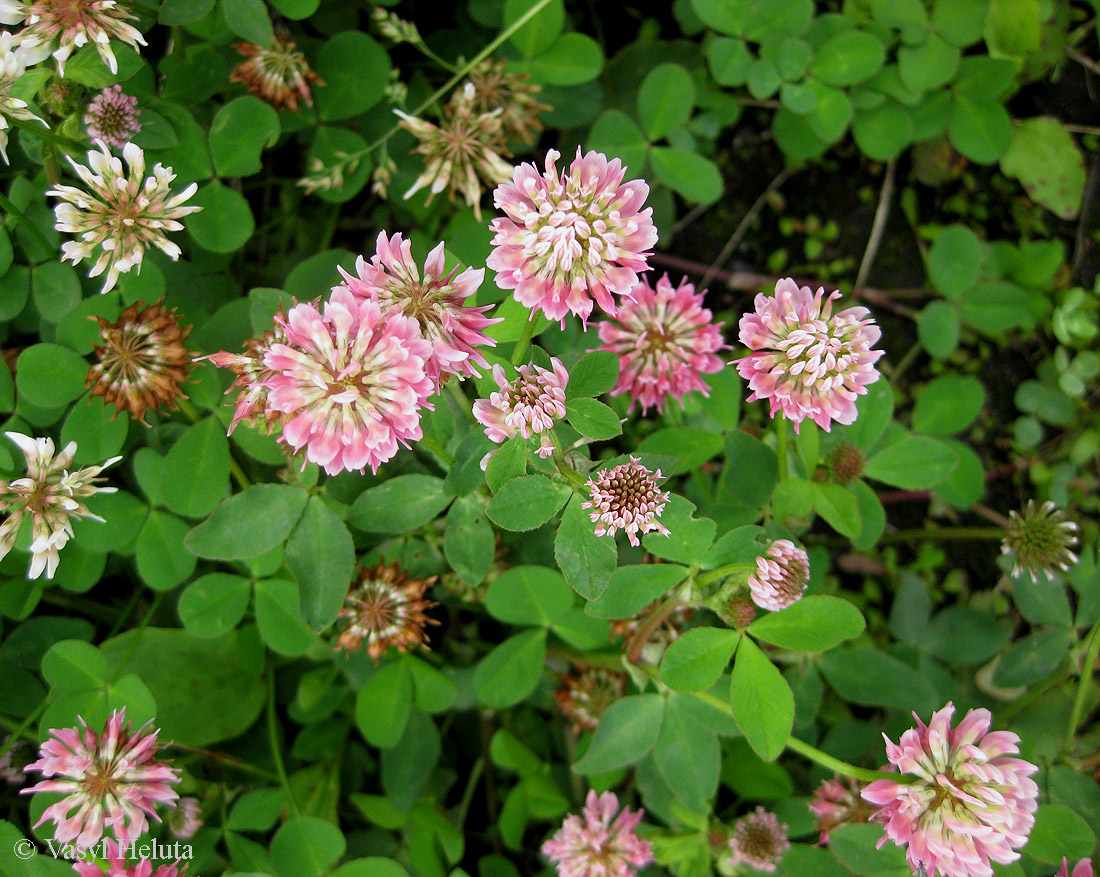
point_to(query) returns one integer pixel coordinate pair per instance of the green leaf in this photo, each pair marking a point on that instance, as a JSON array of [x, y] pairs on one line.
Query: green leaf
[[296, 10], [697, 658], [837, 505], [914, 463], [632, 588], [665, 100], [162, 560], [330, 146], [872, 515], [468, 541], [814, 624], [689, 174], [948, 405], [692, 447], [593, 419], [540, 31], [123, 516], [761, 700], [688, 756], [257, 810], [393, 686], [1059, 832], [407, 766], [857, 849], [72, 666], [529, 595], [49, 375], [960, 22], [626, 733], [240, 132], [355, 70], [689, 537], [938, 328], [56, 290], [173, 12], [1013, 28], [729, 61], [980, 129], [955, 260], [847, 58], [214, 603], [831, 113], [753, 470], [585, 559], [527, 502], [724, 16], [306, 846], [399, 505], [249, 523], [883, 131], [203, 454], [963, 635], [573, 59], [321, 555], [928, 65], [96, 434], [593, 375], [1046, 161], [225, 222], [248, 19], [508, 462], [1032, 658], [279, 619], [510, 672], [434, 692], [874, 678], [996, 307]]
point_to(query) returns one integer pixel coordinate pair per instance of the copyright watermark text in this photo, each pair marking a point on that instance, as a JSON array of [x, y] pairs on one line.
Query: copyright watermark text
[[153, 850]]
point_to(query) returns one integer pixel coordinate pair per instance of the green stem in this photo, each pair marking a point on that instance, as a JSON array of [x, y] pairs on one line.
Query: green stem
[[23, 728], [575, 479], [835, 764], [524, 341], [135, 598], [468, 792], [722, 572], [157, 600], [273, 739], [430, 444], [61, 140], [229, 761], [781, 446], [21, 218], [658, 615], [933, 534], [455, 389], [1092, 649]]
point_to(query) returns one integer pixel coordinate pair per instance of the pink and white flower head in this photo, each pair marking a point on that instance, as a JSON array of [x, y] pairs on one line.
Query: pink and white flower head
[[350, 380], [967, 802], [120, 213], [759, 841], [811, 363], [665, 342], [51, 496], [59, 27], [252, 375], [118, 865], [626, 497], [13, 64], [111, 781], [528, 405], [435, 302], [782, 574], [1082, 869], [570, 239], [836, 802], [598, 843], [112, 117], [186, 819]]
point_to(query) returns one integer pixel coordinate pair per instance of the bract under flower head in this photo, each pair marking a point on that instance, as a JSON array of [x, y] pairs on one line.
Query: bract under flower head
[[528, 405], [626, 497], [782, 574], [969, 803], [812, 363], [434, 301], [665, 341], [59, 27], [572, 239], [759, 841], [350, 380], [111, 781], [598, 843], [120, 213]]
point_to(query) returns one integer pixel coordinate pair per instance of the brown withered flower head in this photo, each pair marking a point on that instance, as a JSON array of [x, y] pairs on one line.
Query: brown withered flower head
[[142, 360], [585, 695], [385, 607], [511, 93], [281, 75], [251, 404]]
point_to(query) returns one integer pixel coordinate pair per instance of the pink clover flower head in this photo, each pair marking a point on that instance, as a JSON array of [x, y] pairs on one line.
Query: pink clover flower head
[[51, 496], [810, 362], [528, 405], [567, 240], [434, 301], [626, 497], [59, 27], [598, 843], [1082, 869], [665, 342], [969, 802], [836, 802], [119, 866], [350, 380], [782, 573], [252, 375], [111, 781], [112, 117], [186, 819], [759, 841]]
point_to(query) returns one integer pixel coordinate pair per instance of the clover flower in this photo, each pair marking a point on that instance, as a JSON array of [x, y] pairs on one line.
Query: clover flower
[[434, 301], [385, 608], [1039, 540], [460, 153], [119, 866], [59, 27], [186, 819], [280, 75], [598, 843], [665, 342], [584, 696], [967, 804], [252, 376], [845, 463], [572, 239], [111, 781], [112, 117], [13, 62], [513, 94], [759, 841], [120, 214], [626, 497], [51, 497], [142, 360], [811, 363], [1082, 869], [528, 405], [782, 573], [350, 381], [836, 802]]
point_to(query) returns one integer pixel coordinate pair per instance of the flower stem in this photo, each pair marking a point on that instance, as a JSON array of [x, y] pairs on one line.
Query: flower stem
[[430, 444], [524, 341], [651, 623], [455, 389], [124, 663], [23, 728], [722, 572], [1092, 649], [835, 764], [273, 739]]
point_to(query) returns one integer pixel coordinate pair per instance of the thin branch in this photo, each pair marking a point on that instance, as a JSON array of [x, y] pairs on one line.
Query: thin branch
[[882, 214]]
